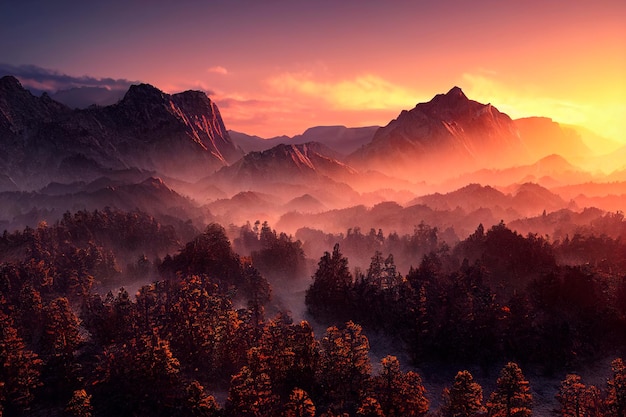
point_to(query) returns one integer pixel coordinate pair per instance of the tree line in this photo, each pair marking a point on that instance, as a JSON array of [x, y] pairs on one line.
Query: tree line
[[485, 300], [197, 341]]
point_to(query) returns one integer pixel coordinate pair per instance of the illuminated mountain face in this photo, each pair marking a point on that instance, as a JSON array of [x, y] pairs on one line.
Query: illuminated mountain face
[[447, 135]]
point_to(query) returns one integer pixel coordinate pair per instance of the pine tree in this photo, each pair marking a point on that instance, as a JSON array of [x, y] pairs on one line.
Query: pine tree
[[327, 297], [577, 399], [465, 397], [345, 368], [512, 397], [399, 394], [250, 395], [19, 369], [61, 328], [197, 403], [616, 399]]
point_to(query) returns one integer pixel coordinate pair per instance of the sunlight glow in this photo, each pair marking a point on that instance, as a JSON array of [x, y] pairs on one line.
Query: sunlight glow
[[597, 110], [367, 91]]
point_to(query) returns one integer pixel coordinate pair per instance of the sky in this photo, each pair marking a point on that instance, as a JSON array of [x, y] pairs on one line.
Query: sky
[[277, 67]]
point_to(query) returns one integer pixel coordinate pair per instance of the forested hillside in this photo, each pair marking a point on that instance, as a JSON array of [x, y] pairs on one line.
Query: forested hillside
[[202, 336]]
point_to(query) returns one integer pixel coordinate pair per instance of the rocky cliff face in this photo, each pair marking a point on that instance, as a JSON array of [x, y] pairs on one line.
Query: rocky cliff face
[[450, 133], [181, 136]]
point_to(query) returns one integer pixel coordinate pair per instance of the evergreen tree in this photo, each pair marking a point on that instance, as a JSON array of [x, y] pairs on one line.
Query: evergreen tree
[[344, 370], [250, 395], [616, 399], [399, 394], [61, 334], [512, 397], [328, 295], [197, 403], [577, 399], [464, 399], [19, 369]]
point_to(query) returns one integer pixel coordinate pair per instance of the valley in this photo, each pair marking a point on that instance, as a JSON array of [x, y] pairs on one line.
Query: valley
[[234, 271]]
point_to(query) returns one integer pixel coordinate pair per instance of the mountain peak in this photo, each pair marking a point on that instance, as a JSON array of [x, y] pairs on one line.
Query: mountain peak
[[9, 82], [143, 92], [450, 128], [451, 99], [456, 92]]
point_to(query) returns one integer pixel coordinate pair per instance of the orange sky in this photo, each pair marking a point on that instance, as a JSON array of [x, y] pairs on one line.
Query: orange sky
[[278, 67]]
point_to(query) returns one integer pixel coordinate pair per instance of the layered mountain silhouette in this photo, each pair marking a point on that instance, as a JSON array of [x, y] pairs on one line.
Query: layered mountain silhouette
[[550, 171], [180, 135], [19, 209], [525, 199], [341, 139], [450, 133], [176, 148]]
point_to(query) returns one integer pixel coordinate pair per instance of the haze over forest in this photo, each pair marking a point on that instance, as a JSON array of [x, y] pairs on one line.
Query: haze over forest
[[316, 218]]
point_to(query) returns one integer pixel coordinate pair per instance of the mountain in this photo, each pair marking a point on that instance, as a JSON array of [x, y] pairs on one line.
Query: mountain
[[550, 171], [612, 163], [305, 204], [469, 198], [291, 171], [542, 136], [19, 209], [530, 199], [180, 136], [344, 140], [244, 206], [525, 199], [287, 163], [448, 135], [253, 143], [596, 142]]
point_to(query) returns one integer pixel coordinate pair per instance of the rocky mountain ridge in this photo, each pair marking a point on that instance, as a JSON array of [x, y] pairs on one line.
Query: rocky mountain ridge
[[83, 157], [180, 135], [448, 134]]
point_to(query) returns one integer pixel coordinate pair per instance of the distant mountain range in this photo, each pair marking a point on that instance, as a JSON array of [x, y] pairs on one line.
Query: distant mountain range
[[341, 139], [176, 146]]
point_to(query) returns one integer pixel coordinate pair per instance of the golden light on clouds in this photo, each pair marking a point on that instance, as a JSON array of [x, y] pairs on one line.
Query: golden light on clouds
[[363, 92], [218, 70]]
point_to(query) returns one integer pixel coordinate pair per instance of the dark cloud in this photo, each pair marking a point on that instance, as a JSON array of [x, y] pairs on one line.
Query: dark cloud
[[39, 80]]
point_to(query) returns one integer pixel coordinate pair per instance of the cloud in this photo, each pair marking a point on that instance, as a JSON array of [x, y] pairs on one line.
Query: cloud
[[363, 92], [218, 70], [39, 79]]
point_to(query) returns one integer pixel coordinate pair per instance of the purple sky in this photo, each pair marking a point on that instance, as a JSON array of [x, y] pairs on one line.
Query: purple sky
[[278, 67]]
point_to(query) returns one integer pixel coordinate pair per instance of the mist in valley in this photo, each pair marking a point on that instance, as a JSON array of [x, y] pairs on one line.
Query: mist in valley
[[452, 238]]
